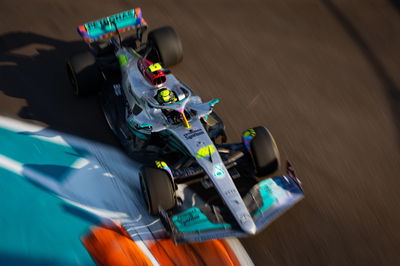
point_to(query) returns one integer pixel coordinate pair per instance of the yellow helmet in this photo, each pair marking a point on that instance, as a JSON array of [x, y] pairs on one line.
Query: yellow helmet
[[165, 96]]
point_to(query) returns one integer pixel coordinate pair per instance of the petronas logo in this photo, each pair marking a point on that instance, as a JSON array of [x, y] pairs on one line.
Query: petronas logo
[[218, 171]]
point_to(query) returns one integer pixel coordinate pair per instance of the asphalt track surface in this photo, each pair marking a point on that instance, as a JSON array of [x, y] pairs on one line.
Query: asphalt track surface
[[323, 76]]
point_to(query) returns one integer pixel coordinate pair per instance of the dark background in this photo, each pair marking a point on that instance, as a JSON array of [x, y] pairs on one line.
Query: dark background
[[322, 75]]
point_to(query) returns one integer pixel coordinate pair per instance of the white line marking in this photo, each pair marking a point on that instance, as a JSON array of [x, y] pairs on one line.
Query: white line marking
[[147, 252], [112, 215], [11, 165], [240, 252], [140, 226]]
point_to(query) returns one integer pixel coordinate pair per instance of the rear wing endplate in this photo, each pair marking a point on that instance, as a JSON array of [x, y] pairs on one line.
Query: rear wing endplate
[[107, 27]]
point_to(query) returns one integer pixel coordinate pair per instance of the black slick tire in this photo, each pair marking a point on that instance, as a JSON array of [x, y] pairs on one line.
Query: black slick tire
[[157, 188], [84, 74], [264, 152], [166, 46]]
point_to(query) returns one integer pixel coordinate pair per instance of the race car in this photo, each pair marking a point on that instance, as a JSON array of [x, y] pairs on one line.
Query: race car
[[180, 139]]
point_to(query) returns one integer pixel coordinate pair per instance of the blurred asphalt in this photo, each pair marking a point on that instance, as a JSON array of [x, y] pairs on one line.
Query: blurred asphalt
[[324, 76]]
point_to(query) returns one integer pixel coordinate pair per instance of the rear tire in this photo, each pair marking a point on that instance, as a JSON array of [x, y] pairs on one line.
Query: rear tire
[[167, 46], [264, 152], [84, 74], [157, 188]]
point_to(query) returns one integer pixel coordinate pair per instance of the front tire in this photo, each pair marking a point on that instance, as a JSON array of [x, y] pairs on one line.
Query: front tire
[[84, 74], [157, 188], [264, 152]]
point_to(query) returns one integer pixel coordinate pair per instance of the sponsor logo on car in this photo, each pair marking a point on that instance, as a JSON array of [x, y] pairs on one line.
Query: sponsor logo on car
[[218, 171], [102, 23], [188, 217], [244, 218], [205, 151], [193, 133]]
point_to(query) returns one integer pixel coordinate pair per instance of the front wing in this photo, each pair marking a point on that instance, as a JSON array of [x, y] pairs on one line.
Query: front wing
[[266, 201]]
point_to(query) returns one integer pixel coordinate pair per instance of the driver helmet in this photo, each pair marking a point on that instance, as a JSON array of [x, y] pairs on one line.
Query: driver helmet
[[165, 96]]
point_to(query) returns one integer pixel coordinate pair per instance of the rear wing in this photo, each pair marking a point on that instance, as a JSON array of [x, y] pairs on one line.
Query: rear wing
[[266, 201], [107, 27]]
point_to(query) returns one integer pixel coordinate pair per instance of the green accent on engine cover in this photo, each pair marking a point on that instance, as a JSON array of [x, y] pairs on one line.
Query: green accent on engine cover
[[193, 220], [122, 60]]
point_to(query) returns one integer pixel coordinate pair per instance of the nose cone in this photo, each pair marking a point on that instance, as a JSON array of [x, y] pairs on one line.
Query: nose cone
[[249, 227]]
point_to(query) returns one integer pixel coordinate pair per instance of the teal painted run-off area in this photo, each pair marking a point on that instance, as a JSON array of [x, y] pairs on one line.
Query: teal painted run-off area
[[36, 226]]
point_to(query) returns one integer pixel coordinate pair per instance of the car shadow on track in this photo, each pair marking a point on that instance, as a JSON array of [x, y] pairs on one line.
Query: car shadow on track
[[32, 67]]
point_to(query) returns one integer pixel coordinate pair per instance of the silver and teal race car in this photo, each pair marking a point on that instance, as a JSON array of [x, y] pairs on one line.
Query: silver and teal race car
[[182, 142]]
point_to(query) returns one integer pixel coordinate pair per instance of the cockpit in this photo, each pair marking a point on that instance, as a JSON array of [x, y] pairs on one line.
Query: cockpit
[[172, 102]]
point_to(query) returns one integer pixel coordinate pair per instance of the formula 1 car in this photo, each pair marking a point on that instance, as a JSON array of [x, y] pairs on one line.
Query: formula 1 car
[[185, 138]]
